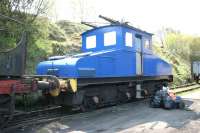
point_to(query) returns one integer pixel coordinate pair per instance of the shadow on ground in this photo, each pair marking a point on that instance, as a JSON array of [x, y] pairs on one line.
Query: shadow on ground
[[131, 117]]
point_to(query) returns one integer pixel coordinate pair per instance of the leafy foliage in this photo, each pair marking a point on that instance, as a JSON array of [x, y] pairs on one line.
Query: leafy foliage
[[195, 49], [178, 49], [56, 33], [46, 38], [49, 39]]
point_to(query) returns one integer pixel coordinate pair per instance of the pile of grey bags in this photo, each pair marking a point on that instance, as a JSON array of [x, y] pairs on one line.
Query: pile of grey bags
[[162, 98]]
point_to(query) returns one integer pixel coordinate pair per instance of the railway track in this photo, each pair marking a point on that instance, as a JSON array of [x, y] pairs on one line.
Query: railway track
[[25, 119], [185, 88]]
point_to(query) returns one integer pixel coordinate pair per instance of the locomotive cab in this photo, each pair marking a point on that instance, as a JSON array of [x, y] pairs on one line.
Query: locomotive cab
[[116, 37], [129, 44]]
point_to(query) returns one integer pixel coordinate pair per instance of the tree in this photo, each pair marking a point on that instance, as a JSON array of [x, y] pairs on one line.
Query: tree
[[24, 10], [31, 14], [195, 49]]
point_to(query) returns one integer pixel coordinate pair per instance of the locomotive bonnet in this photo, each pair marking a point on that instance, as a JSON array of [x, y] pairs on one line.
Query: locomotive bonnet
[[115, 54]]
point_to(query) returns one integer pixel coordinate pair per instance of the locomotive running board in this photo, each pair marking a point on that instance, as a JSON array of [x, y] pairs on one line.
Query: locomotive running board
[[137, 79]]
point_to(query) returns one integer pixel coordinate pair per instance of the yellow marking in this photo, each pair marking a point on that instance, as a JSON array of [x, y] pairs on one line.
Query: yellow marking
[[63, 84], [55, 92], [73, 84]]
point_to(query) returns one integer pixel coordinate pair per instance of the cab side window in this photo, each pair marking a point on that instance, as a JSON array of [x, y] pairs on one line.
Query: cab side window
[[147, 44]]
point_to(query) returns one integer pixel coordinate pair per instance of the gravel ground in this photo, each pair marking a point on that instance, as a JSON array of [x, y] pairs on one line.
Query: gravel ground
[[129, 118]]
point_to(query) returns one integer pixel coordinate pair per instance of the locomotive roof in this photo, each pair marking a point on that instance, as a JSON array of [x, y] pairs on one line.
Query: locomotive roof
[[122, 25]]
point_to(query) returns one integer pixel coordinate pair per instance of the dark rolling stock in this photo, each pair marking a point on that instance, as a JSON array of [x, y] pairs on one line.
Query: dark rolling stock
[[12, 62], [196, 70], [13, 82]]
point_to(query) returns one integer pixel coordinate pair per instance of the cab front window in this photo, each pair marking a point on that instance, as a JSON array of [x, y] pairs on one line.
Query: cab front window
[[110, 38], [90, 42]]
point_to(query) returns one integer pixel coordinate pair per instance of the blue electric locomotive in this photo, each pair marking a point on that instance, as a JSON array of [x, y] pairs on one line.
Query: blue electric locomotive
[[117, 65]]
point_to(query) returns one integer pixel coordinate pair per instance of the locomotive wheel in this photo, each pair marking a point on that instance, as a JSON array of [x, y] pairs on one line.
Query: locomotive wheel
[[122, 97], [88, 104], [6, 109]]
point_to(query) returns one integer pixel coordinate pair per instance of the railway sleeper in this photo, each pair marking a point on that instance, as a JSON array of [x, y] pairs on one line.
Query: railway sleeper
[[7, 107]]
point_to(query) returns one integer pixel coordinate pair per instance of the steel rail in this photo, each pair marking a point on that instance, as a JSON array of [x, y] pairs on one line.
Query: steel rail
[[57, 113]]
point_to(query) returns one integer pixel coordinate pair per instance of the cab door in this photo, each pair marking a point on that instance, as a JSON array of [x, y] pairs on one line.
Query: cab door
[[138, 43]]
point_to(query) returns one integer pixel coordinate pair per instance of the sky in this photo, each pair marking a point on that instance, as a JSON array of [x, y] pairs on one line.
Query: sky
[[149, 15]]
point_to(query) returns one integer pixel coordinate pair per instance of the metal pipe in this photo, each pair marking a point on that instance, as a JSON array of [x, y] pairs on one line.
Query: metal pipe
[[88, 24], [112, 21]]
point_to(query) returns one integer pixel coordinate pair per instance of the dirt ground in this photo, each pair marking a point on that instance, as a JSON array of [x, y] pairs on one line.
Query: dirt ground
[[130, 118]]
